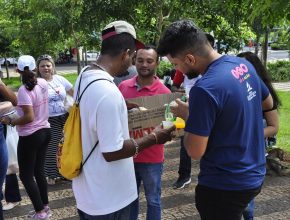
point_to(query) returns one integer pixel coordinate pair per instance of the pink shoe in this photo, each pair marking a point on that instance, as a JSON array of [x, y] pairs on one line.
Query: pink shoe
[[46, 209], [40, 216]]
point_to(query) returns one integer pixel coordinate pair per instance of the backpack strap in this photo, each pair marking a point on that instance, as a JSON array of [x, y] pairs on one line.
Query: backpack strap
[[78, 99], [79, 87], [80, 96], [82, 164]]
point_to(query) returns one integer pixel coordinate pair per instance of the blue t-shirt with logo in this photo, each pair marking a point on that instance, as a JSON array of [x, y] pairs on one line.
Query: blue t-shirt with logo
[[226, 106]]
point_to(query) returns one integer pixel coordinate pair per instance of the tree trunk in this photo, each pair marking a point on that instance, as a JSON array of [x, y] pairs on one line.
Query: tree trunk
[[7, 70], [78, 61], [83, 58], [257, 44], [159, 20], [265, 47], [86, 57]]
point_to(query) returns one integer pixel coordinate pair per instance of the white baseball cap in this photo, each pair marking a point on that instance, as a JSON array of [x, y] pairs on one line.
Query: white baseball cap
[[26, 60], [118, 27]]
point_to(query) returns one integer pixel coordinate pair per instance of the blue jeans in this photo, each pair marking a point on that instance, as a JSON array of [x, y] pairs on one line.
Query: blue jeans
[[150, 174], [248, 213], [122, 214], [3, 165], [184, 162]]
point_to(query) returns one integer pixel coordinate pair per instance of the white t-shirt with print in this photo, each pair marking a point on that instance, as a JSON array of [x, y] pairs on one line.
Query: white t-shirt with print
[[103, 187], [57, 88]]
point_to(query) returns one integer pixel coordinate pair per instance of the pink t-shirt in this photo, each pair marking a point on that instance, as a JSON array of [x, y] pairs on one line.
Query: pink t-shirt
[[130, 89], [38, 99]]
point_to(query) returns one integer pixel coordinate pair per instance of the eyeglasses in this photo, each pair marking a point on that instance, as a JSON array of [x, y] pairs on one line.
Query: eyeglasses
[[44, 57]]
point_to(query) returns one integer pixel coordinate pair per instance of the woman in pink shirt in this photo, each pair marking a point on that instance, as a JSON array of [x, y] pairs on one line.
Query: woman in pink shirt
[[34, 134]]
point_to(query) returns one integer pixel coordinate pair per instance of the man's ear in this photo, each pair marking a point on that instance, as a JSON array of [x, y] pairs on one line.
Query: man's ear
[[124, 54], [190, 59]]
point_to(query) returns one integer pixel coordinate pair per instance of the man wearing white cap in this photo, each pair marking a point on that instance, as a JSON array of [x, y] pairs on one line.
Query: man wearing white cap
[[106, 186]]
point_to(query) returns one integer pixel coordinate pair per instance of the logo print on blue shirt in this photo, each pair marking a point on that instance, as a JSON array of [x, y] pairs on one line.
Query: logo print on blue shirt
[[249, 87], [251, 93], [239, 72]]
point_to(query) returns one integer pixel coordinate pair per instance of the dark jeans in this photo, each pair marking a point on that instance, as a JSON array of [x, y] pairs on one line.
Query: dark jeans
[[12, 193], [31, 157], [184, 170], [122, 214], [214, 204]]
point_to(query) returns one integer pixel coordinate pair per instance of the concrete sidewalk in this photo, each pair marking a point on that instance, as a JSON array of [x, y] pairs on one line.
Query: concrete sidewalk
[[272, 203], [283, 86]]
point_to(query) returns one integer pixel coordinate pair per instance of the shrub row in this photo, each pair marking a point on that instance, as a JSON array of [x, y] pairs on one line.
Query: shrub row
[[279, 71], [279, 46]]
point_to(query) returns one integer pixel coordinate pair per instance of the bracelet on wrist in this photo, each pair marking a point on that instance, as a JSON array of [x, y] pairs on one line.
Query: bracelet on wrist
[[155, 136], [136, 147]]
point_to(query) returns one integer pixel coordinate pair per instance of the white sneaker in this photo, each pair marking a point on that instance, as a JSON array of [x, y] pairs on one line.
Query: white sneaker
[[9, 205]]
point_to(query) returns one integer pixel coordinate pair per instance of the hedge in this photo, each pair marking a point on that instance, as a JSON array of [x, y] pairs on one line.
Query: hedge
[[279, 71], [279, 46]]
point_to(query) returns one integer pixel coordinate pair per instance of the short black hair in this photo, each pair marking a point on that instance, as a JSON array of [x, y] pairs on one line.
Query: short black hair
[[210, 39], [182, 36], [148, 47], [117, 44]]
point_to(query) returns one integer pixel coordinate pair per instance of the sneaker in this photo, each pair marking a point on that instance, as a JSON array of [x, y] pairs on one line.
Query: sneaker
[[51, 181], [9, 205], [181, 182], [40, 216], [46, 209]]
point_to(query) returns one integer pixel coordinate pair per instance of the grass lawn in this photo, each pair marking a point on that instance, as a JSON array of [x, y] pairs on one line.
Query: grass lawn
[[71, 77], [283, 137], [15, 82]]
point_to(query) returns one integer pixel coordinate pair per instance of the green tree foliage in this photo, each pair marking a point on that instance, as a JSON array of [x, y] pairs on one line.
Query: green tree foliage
[[269, 14], [50, 26]]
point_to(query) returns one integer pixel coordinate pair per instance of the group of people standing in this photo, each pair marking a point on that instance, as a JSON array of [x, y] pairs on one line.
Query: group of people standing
[[41, 116], [224, 126]]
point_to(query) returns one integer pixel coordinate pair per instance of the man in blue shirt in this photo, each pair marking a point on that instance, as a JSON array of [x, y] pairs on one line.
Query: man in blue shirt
[[224, 126]]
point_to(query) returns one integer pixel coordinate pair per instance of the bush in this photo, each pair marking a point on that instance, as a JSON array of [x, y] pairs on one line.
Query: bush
[[279, 71], [279, 46], [163, 67]]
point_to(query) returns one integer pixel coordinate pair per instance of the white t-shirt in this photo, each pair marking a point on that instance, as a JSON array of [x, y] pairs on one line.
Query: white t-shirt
[[188, 83], [57, 88], [103, 187]]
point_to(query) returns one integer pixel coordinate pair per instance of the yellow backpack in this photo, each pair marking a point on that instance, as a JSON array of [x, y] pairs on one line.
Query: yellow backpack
[[69, 154]]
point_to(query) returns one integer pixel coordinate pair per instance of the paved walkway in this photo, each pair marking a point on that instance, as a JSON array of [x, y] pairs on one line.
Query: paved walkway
[[283, 86], [272, 204]]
